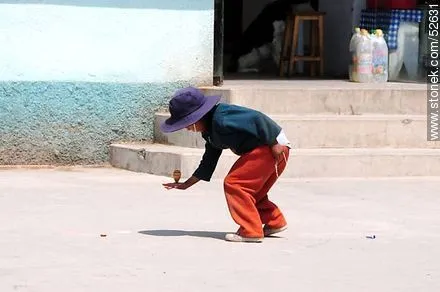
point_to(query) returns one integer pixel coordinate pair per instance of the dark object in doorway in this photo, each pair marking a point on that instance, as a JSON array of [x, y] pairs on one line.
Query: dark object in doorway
[[261, 30]]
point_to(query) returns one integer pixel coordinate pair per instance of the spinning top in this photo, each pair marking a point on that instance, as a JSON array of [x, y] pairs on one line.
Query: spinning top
[[176, 175]]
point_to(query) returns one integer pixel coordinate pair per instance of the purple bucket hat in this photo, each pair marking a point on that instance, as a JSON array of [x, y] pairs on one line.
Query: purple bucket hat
[[187, 107]]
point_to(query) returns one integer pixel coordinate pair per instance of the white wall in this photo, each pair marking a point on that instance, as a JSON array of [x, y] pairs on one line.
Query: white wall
[[64, 42]]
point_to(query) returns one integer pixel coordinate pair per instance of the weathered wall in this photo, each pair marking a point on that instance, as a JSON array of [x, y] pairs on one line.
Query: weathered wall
[[78, 75]]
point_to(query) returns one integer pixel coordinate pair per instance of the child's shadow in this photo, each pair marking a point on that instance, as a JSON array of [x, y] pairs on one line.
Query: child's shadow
[[174, 233]]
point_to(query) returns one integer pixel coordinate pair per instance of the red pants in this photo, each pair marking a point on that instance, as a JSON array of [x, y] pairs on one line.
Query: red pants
[[246, 187]]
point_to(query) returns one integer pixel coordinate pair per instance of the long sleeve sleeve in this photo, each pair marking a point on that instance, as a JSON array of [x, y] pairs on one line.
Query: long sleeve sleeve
[[209, 163]]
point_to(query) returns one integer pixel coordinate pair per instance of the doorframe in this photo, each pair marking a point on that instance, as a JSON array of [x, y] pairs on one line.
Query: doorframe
[[218, 42]]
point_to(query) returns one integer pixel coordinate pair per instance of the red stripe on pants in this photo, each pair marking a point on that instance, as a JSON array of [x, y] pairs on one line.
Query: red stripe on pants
[[246, 187]]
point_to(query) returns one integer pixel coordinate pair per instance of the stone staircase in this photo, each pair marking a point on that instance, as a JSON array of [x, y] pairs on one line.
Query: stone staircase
[[338, 129]]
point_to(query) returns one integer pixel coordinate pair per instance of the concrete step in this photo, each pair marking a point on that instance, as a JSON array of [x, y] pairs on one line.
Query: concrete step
[[325, 97], [304, 163], [330, 131]]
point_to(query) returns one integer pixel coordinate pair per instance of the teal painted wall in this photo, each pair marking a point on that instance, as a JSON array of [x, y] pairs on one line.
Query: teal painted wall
[[74, 122], [76, 76]]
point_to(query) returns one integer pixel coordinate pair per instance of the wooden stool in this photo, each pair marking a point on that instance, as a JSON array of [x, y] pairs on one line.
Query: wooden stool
[[290, 42]]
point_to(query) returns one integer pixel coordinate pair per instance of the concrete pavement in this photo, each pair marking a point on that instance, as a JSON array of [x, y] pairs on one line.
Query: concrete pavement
[[51, 222]]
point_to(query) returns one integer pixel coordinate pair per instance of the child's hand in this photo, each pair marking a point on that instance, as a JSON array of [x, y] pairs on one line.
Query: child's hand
[[182, 186], [179, 186], [277, 151]]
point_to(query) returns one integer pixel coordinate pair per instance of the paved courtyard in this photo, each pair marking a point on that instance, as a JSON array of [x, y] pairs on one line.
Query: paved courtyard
[[111, 230]]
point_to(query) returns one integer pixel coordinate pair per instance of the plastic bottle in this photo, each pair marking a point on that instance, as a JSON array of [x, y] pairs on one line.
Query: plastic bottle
[[373, 37], [364, 56], [380, 58], [374, 43], [352, 68]]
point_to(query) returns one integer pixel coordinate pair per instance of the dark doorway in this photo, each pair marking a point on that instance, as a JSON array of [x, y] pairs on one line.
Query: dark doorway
[[233, 21], [228, 31]]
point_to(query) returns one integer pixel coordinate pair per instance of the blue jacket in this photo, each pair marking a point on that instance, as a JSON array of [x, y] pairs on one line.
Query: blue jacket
[[237, 128]]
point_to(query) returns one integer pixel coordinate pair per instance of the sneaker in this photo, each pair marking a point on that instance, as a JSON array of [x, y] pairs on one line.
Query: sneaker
[[271, 231], [233, 237]]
